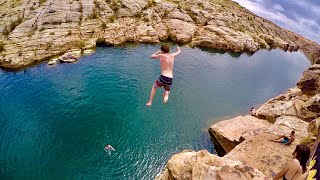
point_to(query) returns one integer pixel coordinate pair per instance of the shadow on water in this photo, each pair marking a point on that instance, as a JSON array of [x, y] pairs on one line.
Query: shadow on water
[[217, 51]]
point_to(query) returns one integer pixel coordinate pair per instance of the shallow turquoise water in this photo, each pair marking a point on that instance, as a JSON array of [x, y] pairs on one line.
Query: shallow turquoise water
[[55, 121]]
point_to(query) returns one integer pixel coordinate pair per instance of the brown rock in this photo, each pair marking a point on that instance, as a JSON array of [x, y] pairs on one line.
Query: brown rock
[[313, 104], [267, 156], [180, 31], [230, 133], [203, 165], [310, 81], [179, 15]]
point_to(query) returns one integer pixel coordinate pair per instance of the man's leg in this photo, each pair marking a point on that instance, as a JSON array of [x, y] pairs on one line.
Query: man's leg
[[166, 93], [278, 140], [166, 96], [153, 92]]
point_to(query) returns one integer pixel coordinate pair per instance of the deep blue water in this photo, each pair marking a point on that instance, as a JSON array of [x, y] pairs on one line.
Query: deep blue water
[[55, 121]]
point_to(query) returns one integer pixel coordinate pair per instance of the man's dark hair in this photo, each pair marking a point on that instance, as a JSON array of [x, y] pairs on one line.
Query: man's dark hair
[[165, 48], [292, 132]]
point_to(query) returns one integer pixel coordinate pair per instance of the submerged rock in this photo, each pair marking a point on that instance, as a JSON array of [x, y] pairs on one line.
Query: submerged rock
[[53, 61], [88, 52], [70, 57]]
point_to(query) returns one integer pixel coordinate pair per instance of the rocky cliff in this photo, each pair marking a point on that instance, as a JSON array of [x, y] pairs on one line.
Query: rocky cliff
[[247, 138], [35, 30], [203, 165]]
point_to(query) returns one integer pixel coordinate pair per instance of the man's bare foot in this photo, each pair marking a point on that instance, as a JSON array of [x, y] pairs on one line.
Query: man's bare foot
[[149, 104], [165, 96]]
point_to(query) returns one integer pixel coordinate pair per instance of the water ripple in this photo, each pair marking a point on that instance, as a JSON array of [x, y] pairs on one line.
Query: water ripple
[[55, 122]]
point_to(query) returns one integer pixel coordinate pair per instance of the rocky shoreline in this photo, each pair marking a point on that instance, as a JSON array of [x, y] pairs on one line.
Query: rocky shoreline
[[32, 31], [245, 139]]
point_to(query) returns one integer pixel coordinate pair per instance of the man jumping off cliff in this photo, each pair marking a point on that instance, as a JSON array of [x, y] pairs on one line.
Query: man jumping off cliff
[[165, 80]]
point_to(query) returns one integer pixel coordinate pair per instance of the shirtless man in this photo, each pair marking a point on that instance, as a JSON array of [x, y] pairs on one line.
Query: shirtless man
[[284, 139], [165, 80]]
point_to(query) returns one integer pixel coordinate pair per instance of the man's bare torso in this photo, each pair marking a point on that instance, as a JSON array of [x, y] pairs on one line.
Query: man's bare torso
[[166, 62]]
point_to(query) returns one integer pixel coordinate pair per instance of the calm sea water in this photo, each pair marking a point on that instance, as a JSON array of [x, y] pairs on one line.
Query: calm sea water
[[55, 121]]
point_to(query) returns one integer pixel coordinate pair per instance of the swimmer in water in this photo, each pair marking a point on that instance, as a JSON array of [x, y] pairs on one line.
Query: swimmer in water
[[108, 149]]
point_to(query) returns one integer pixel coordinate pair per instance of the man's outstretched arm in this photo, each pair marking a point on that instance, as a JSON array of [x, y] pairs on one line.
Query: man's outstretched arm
[[178, 51], [156, 55]]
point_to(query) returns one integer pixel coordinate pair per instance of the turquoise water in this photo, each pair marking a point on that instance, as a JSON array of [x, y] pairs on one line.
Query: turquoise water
[[55, 121]]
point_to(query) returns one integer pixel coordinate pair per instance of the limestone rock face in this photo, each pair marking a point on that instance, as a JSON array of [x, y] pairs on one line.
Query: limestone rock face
[[310, 81], [202, 165], [33, 31], [180, 31], [180, 15], [313, 104], [314, 128], [257, 151], [291, 103], [230, 133]]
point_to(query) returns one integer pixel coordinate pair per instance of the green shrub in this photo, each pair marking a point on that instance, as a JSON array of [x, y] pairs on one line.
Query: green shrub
[[48, 46], [52, 33], [152, 3], [1, 46], [42, 1], [306, 140], [112, 18], [81, 44], [69, 33], [103, 25], [5, 31], [94, 15], [100, 40]]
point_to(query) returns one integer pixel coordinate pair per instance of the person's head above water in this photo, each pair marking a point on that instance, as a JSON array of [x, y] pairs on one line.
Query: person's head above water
[[302, 153], [165, 48]]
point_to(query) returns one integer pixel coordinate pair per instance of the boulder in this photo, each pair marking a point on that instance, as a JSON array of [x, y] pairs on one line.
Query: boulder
[[179, 15], [202, 165], [314, 128], [134, 6], [53, 61], [313, 104], [70, 57], [270, 157], [88, 51], [290, 103], [180, 31], [310, 81], [207, 37], [232, 132]]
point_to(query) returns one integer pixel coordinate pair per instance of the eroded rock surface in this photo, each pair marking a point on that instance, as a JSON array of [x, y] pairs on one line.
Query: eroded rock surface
[[310, 81], [31, 31], [268, 156], [202, 165], [230, 133]]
